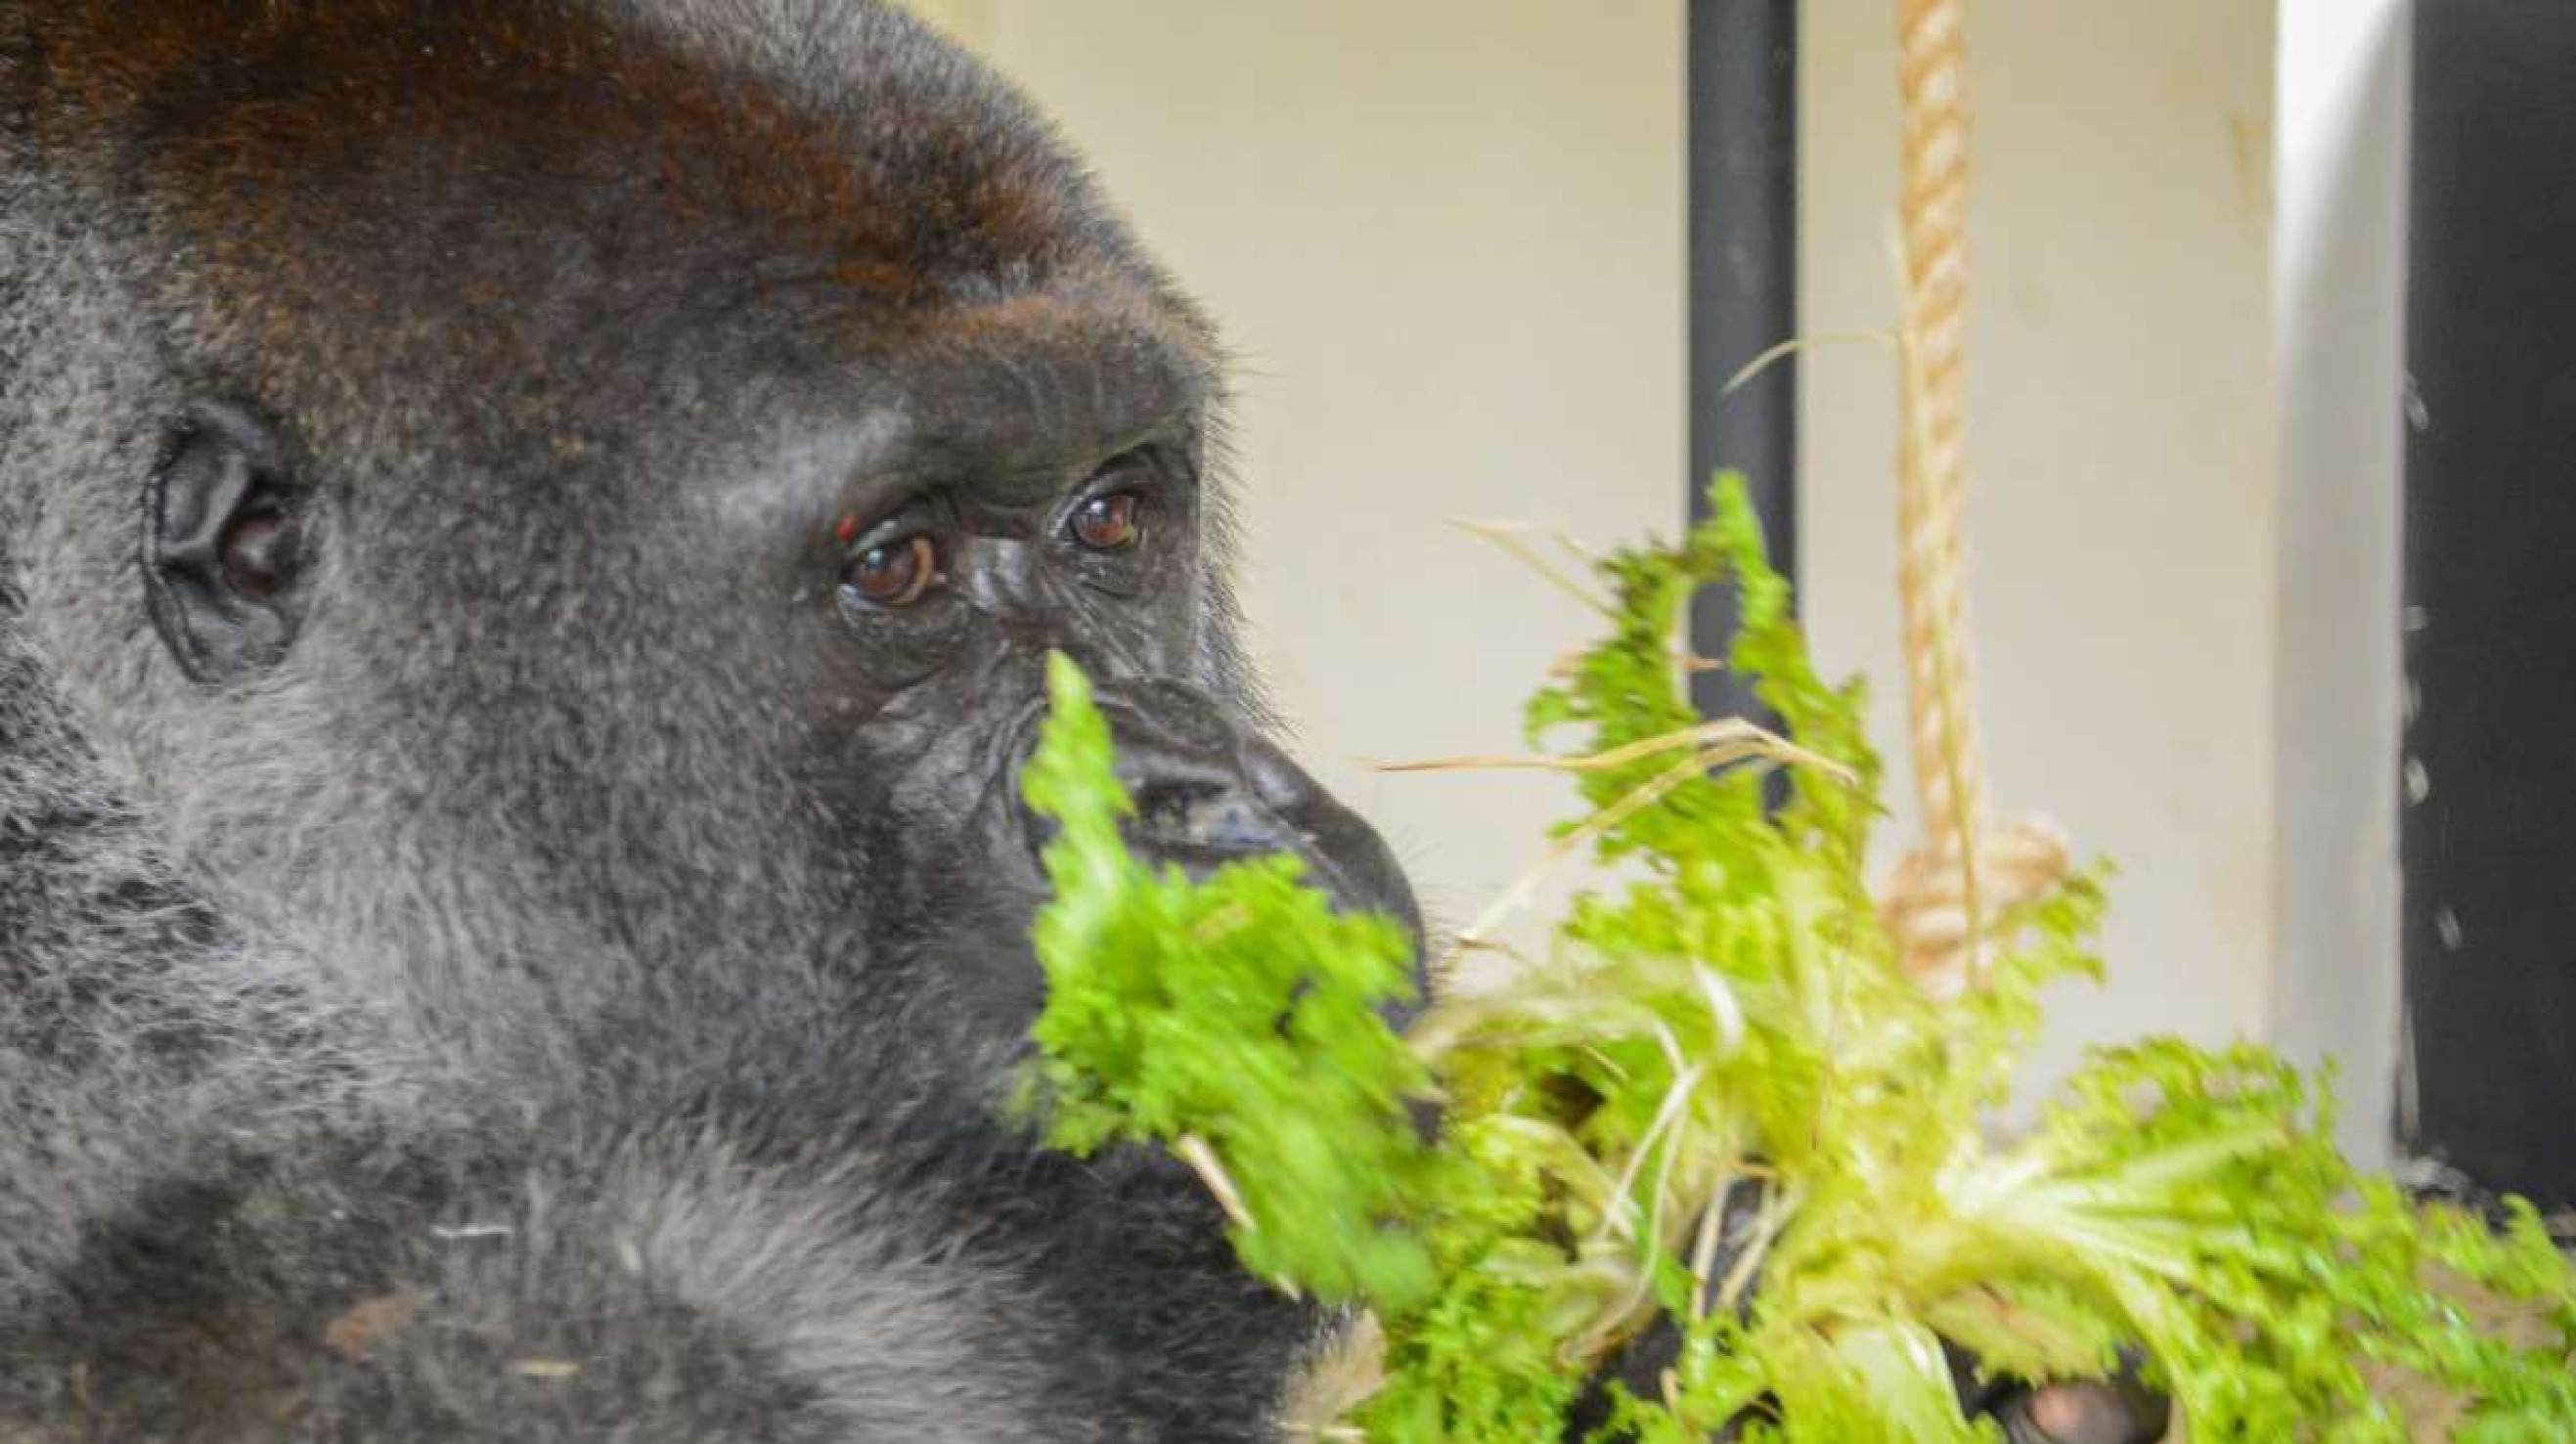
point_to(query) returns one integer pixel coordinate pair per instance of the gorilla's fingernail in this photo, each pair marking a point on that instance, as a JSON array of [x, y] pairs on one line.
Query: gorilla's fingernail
[[2086, 1413], [2059, 1413]]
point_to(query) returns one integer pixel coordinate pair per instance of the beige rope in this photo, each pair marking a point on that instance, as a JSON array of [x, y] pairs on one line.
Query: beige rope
[[1942, 896], [1932, 446]]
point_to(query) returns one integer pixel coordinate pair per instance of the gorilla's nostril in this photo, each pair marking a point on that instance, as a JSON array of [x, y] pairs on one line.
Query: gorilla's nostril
[[1207, 814], [1232, 823], [1166, 806]]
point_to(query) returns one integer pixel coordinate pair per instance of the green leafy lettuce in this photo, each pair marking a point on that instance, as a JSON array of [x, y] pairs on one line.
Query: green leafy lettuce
[[1729, 1021]]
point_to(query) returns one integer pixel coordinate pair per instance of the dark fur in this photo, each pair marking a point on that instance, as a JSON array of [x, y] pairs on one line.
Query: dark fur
[[375, 1062], [566, 993]]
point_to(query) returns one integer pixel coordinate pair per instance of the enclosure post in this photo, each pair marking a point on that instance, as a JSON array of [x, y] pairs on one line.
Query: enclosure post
[[1743, 203]]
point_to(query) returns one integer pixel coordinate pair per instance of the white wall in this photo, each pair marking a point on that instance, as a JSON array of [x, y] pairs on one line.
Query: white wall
[[2340, 275], [1445, 237], [2124, 510]]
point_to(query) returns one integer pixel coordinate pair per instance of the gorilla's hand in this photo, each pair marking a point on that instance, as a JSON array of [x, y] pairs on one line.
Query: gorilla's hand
[[2117, 1410]]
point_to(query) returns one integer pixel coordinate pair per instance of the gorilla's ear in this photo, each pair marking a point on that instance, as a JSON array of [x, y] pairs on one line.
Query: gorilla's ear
[[223, 545]]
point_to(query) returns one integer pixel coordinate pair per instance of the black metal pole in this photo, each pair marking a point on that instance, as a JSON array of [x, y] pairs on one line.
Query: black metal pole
[[2486, 844], [1743, 203]]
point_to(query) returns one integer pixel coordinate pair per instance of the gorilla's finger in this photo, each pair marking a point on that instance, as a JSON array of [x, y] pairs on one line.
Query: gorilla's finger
[[2112, 1411]]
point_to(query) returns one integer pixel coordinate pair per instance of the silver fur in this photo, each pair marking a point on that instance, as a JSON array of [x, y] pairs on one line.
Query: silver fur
[[461, 1032]]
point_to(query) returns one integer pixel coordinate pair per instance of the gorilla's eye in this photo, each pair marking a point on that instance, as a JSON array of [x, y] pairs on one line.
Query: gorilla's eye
[[895, 573], [1109, 523]]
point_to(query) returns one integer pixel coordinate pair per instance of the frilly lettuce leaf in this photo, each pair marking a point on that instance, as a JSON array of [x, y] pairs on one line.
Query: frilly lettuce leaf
[[1732, 1012]]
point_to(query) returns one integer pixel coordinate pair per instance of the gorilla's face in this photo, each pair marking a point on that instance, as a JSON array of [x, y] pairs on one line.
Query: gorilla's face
[[587, 526], [1038, 498]]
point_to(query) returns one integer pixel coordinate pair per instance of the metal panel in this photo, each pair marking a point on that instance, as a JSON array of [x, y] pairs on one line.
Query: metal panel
[[2489, 779]]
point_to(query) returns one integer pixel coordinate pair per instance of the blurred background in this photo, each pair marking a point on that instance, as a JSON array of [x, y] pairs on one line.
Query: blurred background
[[1457, 246]]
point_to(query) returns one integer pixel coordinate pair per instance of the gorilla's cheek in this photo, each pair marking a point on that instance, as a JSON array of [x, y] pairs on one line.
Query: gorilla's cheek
[[971, 886]]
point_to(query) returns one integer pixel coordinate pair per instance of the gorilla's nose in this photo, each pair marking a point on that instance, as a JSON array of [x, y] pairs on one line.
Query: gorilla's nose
[[1209, 792], [1202, 785]]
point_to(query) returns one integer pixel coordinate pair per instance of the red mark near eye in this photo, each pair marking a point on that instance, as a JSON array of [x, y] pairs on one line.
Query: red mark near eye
[[847, 531]]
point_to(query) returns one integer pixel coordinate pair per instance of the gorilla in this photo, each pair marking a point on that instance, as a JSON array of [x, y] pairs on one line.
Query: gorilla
[[528, 535]]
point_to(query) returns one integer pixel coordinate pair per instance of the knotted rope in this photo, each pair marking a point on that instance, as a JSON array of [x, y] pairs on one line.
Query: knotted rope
[[1943, 896]]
